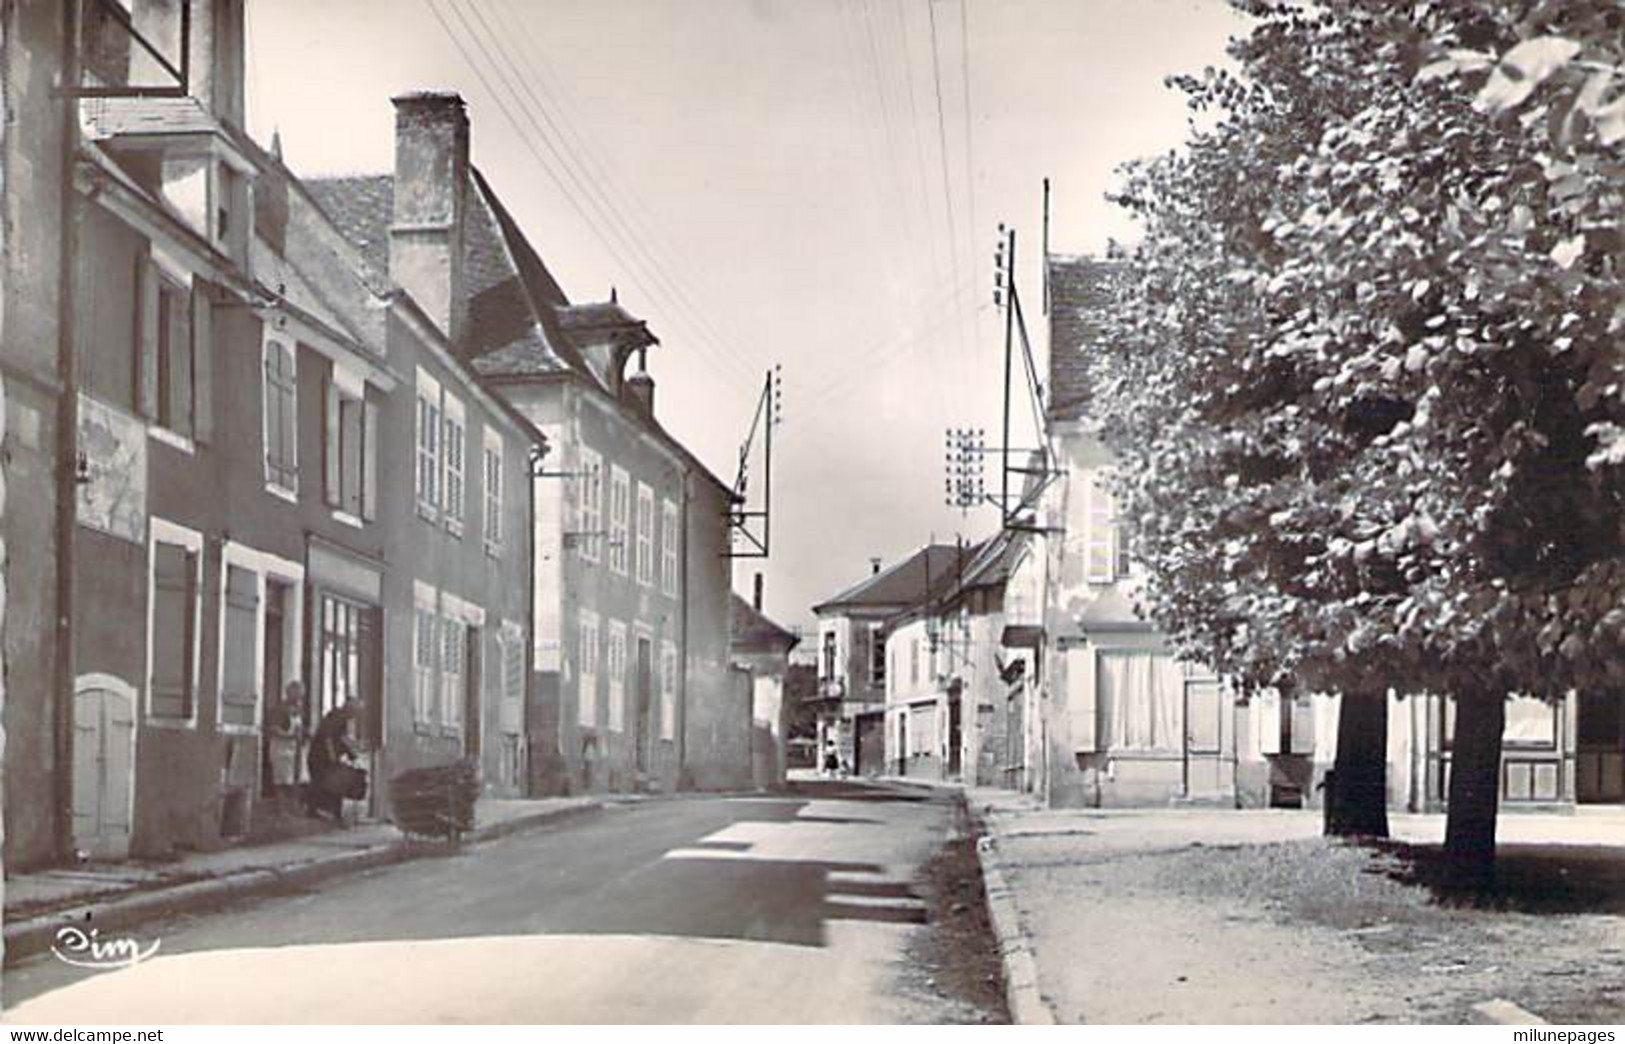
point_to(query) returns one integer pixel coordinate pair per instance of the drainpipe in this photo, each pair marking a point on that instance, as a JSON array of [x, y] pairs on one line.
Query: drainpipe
[[67, 486], [682, 601]]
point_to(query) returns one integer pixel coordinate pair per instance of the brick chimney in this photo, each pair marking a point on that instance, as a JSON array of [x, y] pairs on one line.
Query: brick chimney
[[641, 386], [216, 58], [431, 185]]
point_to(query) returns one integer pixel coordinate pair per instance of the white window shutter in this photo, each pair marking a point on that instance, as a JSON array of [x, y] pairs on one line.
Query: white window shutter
[[1082, 700]]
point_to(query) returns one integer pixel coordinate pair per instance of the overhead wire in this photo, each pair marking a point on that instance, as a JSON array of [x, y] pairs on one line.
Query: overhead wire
[[732, 368], [589, 155]]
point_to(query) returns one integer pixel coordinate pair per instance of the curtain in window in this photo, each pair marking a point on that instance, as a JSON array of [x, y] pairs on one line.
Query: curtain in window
[[1141, 697]]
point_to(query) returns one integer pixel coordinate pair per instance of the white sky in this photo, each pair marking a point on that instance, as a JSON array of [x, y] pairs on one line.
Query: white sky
[[763, 181]]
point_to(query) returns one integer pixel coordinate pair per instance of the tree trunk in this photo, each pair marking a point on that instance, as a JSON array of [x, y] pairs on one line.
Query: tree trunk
[[1475, 785], [1357, 795]]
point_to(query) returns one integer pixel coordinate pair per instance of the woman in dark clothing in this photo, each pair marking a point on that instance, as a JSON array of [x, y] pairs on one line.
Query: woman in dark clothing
[[329, 748]]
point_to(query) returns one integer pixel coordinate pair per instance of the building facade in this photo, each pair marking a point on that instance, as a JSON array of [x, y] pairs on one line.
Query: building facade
[[628, 580]]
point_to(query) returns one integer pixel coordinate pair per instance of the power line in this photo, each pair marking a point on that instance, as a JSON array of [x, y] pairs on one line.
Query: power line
[[942, 156], [641, 251], [731, 365], [648, 230]]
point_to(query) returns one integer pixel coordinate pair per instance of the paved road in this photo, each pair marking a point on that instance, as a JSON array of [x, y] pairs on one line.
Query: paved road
[[767, 909]]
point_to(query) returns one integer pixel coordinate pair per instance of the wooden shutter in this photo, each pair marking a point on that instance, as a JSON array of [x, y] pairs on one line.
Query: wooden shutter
[[146, 339], [178, 352], [203, 363], [351, 452], [330, 446], [369, 461], [288, 411], [271, 403], [172, 639], [1081, 699], [239, 697]]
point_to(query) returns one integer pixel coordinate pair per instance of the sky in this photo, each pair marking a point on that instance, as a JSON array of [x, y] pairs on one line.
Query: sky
[[815, 185]]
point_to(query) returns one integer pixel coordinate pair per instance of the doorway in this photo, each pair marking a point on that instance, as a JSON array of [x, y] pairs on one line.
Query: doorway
[[643, 682], [473, 722], [1599, 767], [1204, 735], [103, 765]]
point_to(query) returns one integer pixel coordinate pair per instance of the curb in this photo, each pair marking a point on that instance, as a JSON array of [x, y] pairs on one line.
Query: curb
[[35, 935], [1026, 1003]]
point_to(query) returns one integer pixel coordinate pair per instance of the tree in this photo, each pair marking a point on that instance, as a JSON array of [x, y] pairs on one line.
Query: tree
[[1364, 366]]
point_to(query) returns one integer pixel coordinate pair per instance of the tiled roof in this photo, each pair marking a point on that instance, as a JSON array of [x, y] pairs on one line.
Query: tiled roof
[[918, 578], [1077, 286], [504, 335], [749, 626]]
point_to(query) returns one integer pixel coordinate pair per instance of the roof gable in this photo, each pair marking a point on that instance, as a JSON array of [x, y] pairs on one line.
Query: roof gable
[[1078, 287], [918, 578]]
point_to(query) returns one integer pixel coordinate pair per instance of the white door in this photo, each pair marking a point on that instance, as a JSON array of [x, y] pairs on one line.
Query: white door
[[103, 765]]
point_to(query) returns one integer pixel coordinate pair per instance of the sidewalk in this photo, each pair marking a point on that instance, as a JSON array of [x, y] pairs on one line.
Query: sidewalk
[[117, 895], [1182, 916]]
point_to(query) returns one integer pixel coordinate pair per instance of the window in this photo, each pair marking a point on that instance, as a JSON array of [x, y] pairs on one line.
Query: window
[[1140, 698], [281, 420], [646, 535], [428, 446], [615, 664], [590, 486], [493, 492], [1099, 542], [174, 628], [829, 656], [453, 670], [620, 492], [239, 627], [349, 447], [668, 547], [877, 657], [338, 651], [587, 704], [668, 690], [454, 447], [914, 661], [174, 326]]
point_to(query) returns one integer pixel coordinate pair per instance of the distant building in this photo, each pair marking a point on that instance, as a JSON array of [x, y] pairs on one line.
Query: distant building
[[762, 647], [852, 663]]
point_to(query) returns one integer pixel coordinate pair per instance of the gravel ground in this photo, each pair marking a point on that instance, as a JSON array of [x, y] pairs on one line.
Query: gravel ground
[[1308, 930], [955, 963]]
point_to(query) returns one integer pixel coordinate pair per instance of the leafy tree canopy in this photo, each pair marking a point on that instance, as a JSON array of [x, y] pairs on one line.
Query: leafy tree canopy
[[1364, 370]]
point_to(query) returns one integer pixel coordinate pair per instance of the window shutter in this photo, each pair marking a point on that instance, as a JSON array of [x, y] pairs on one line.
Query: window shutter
[[1266, 712], [203, 362], [330, 446], [178, 346], [239, 702], [350, 453], [288, 408], [271, 403], [1081, 700], [369, 461], [172, 568], [146, 339]]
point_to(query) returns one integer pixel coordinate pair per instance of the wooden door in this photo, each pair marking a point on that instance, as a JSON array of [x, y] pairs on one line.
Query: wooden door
[[1204, 737], [103, 766]]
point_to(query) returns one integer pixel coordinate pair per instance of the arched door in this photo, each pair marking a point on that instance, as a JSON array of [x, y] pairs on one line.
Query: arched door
[[103, 765]]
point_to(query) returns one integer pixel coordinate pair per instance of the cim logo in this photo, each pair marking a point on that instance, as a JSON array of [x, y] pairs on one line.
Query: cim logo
[[87, 949]]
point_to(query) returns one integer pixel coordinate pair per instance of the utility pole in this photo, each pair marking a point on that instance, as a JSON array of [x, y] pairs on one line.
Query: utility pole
[[1004, 279]]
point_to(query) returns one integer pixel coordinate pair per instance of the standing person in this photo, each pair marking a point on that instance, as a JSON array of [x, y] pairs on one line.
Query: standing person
[[832, 759], [329, 749], [283, 726]]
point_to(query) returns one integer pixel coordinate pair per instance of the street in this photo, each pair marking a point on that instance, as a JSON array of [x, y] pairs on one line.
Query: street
[[793, 909]]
